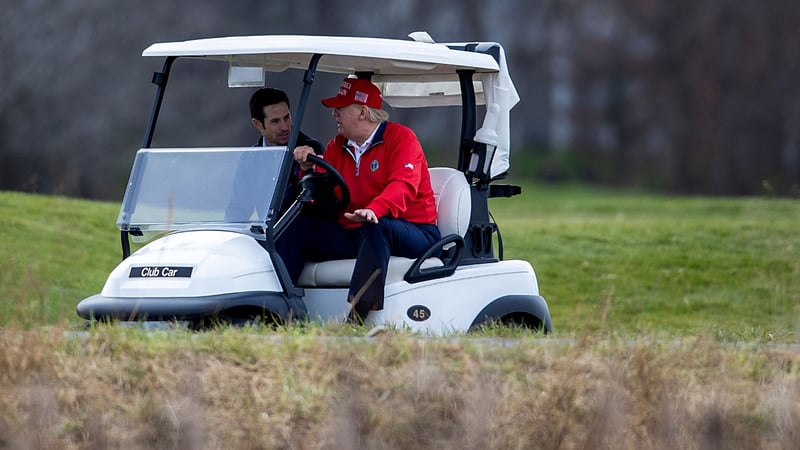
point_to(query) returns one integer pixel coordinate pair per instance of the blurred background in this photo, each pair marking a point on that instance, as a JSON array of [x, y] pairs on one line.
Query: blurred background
[[675, 96]]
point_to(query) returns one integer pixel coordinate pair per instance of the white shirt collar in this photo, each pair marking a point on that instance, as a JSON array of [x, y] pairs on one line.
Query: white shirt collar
[[359, 149]]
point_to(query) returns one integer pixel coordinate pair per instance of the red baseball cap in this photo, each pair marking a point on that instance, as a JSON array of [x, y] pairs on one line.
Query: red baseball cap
[[355, 90]]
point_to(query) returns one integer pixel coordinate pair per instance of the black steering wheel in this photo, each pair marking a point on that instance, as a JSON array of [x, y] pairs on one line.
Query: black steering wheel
[[322, 185]]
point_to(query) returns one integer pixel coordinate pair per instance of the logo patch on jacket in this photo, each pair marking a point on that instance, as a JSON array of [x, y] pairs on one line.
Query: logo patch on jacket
[[409, 165], [373, 166]]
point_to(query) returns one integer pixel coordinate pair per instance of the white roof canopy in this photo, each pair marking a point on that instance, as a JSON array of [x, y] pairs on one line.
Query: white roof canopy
[[342, 54]]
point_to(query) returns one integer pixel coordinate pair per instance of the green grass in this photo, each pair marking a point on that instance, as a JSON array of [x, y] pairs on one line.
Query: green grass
[[607, 261], [634, 262], [54, 252]]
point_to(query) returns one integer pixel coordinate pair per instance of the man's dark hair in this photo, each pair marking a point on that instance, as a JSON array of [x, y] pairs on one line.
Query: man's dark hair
[[265, 97]]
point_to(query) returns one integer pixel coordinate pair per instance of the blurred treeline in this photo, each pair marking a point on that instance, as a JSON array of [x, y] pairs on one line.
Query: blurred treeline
[[673, 95]]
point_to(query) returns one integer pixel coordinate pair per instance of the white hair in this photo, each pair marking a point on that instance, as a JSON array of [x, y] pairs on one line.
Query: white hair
[[377, 115]]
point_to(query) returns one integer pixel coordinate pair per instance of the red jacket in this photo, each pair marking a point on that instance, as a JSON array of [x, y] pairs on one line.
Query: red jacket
[[391, 179]]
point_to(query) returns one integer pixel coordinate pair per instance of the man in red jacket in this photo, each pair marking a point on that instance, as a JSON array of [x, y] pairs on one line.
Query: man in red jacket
[[392, 210]]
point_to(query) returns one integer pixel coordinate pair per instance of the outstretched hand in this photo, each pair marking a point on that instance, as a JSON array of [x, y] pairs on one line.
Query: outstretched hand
[[362, 215]]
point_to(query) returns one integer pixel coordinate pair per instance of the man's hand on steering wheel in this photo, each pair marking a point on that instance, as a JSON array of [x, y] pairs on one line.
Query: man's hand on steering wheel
[[332, 176], [301, 154]]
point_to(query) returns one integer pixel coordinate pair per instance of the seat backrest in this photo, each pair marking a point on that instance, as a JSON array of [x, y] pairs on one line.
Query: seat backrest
[[453, 201]]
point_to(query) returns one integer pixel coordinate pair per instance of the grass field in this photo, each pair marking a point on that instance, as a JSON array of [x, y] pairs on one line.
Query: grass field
[[634, 262], [618, 262], [677, 326]]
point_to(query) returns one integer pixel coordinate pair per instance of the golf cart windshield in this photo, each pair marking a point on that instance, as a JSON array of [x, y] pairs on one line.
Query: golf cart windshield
[[174, 189]]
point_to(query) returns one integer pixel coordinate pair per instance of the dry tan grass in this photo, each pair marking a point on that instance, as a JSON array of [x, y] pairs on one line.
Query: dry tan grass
[[114, 388]]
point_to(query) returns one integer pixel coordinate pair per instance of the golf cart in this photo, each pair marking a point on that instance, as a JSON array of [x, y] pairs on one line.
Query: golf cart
[[207, 219]]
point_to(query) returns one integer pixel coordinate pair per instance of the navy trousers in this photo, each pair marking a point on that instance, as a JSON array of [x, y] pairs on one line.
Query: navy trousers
[[371, 244]]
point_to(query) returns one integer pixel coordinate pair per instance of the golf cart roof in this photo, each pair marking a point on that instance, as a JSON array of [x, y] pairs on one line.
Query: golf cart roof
[[342, 54]]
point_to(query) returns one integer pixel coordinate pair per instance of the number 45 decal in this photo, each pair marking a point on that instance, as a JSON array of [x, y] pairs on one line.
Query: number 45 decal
[[419, 313]]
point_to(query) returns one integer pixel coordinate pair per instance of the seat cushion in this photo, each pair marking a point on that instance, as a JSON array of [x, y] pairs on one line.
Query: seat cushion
[[453, 200], [338, 273]]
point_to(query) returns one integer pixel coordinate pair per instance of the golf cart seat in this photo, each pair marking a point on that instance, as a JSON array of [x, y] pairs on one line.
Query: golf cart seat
[[453, 207]]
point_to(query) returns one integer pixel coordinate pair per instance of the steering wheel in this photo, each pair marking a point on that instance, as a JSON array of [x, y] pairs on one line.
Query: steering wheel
[[322, 185]]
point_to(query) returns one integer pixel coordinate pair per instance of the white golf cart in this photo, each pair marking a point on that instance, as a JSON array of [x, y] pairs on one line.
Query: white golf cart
[[209, 217]]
